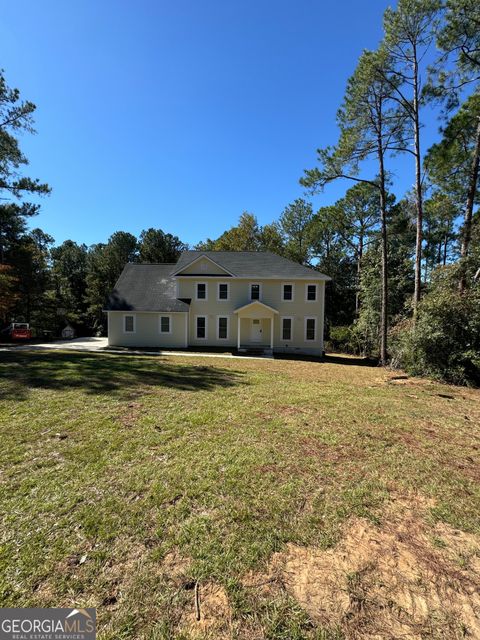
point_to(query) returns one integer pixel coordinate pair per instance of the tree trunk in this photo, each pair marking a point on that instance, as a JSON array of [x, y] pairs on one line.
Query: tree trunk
[[445, 247], [467, 221], [418, 187], [383, 218], [359, 275]]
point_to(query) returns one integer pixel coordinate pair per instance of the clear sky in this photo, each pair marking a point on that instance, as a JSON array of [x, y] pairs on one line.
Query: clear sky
[[182, 114]]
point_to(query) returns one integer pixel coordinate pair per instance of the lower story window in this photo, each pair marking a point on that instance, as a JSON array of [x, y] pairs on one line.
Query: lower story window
[[129, 324], [286, 328], [201, 327], [165, 324], [310, 328], [222, 328]]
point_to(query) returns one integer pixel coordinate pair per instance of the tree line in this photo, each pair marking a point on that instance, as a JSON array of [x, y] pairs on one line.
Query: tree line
[[405, 271]]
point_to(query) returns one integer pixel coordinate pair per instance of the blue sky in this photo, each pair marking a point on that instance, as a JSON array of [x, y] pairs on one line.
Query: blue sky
[[181, 115]]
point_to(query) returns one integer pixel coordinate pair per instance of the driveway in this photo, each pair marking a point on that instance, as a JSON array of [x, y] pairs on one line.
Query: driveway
[[99, 344], [77, 344]]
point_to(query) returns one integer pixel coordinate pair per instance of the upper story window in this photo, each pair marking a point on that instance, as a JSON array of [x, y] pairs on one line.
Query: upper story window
[[129, 324], [165, 324], [287, 292], [254, 291], [201, 291], [311, 293], [310, 328], [223, 291]]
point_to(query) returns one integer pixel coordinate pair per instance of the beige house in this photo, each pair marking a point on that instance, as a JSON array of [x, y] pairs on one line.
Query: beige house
[[245, 300]]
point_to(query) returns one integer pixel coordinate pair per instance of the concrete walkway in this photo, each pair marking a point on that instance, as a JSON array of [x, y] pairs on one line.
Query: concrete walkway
[[99, 345], [77, 344]]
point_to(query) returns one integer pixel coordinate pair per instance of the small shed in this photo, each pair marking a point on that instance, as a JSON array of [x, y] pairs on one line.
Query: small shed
[[68, 332]]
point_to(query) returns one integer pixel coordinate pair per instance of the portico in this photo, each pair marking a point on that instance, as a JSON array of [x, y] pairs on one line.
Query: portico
[[255, 325]]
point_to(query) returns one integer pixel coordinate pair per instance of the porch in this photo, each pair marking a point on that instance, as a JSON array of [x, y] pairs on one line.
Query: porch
[[255, 327]]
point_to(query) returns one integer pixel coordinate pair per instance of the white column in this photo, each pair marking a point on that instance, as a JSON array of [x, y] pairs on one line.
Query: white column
[[238, 333], [271, 332]]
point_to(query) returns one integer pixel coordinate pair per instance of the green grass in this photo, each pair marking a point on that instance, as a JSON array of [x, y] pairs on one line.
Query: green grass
[[109, 463]]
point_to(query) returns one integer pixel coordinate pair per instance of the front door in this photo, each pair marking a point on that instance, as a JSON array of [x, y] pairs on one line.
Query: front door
[[256, 331]]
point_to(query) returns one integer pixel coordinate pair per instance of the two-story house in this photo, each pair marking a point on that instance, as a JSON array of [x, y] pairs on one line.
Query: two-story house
[[231, 299]]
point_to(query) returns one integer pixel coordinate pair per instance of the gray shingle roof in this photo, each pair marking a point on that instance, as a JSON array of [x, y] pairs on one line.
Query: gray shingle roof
[[152, 287], [145, 287], [253, 264]]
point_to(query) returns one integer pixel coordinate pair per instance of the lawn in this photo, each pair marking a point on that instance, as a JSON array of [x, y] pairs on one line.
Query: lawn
[[227, 498]]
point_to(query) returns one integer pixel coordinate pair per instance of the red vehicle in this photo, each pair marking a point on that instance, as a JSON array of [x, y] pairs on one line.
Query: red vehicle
[[20, 331]]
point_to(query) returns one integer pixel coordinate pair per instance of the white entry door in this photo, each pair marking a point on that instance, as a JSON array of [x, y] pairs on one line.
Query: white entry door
[[256, 331]]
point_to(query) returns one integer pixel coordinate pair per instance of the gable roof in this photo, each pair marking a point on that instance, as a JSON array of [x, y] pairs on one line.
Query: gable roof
[[146, 287], [253, 304], [196, 259], [251, 264]]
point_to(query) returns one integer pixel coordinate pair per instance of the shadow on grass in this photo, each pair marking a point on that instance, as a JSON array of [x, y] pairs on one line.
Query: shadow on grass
[[96, 374], [350, 360]]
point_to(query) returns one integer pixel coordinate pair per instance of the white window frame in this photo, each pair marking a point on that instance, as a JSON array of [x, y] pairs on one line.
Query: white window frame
[[250, 284], [315, 339], [291, 284], [282, 339], [206, 327], [129, 315], [206, 292], [218, 292], [311, 284], [165, 315], [228, 327]]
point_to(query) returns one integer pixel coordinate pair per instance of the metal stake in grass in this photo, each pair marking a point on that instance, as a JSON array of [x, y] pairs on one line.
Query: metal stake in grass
[[197, 602]]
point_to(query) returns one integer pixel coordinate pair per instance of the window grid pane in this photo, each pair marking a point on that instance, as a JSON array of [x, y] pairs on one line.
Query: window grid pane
[[311, 292], [129, 324], [165, 324], [222, 327], [223, 291], [201, 328], [255, 292], [287, 292], [201, 291], [287, 329], [311, 329]]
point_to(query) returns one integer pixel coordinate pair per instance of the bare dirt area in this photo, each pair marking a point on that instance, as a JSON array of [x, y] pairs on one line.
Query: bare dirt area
[[402, 578]]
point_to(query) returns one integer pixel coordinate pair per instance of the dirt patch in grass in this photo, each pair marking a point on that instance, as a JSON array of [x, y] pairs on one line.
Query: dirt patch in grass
[[403, 578], [312, 447], [210, 613], [130, 413]]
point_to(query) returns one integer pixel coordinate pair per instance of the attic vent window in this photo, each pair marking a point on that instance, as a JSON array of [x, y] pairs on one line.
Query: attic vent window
[[203, 266]]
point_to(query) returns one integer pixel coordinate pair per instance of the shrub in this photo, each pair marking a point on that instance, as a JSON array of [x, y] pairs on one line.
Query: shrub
[[444, 342], [341, 339]]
